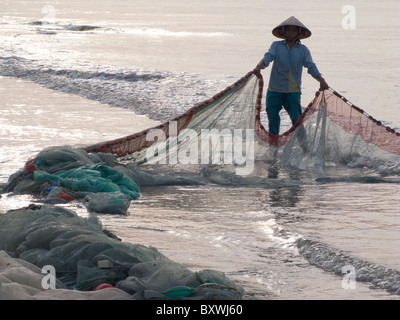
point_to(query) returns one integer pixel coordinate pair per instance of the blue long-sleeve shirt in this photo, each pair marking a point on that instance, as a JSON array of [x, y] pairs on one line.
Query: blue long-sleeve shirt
[[288, 66]]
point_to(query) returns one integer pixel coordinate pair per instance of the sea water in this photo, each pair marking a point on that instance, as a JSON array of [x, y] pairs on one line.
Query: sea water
[[158, 58]]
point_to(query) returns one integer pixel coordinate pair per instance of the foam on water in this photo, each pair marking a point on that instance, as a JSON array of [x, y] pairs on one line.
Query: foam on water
[[336, 261], [160, 95]]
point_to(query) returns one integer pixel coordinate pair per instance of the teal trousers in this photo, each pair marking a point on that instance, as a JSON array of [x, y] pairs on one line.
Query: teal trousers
[[275, 101]]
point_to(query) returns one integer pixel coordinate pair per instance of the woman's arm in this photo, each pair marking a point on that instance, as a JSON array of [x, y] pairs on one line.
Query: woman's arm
[[322, 83], [268, 58], [258, 67]]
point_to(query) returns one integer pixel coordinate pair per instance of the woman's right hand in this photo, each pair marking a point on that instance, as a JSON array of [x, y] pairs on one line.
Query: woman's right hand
[[257, 69]]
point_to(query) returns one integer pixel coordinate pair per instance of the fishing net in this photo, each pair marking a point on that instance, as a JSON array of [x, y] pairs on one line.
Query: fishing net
[[63, 173], [85, 256], [221, 140], [227, 131]]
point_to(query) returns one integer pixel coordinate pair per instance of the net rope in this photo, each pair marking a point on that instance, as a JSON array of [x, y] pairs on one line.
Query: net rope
[[331, 129]]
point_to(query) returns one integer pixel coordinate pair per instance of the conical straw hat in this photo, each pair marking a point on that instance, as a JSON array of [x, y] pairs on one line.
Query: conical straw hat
[[292, 21]]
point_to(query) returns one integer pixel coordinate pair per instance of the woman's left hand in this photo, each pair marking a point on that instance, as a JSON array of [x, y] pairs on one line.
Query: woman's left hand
[[323, 85]]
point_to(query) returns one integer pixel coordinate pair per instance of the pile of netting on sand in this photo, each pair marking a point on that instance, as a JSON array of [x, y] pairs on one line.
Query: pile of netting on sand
[[87, 258], [219, 141]]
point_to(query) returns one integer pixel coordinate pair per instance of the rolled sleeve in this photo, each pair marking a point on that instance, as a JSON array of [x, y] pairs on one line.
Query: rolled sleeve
[[270, 55], [310, 65]]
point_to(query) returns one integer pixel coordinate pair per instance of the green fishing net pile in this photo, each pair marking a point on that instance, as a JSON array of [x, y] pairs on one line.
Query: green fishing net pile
[[49, 234], [62, 174], [46, 235]]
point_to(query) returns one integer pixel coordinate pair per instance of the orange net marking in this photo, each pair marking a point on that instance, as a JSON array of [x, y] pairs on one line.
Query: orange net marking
[[226, 104]]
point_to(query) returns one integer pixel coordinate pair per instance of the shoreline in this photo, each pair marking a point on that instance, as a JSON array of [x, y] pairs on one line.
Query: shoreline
[[33, 117]]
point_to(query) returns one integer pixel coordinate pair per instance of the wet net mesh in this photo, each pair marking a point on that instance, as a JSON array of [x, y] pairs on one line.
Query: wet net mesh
[[228, 129]]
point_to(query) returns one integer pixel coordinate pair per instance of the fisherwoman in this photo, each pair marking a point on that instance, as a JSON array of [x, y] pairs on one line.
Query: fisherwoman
[[289, 57]]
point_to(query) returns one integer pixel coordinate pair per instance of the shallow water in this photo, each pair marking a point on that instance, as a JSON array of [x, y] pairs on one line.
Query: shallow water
[[252, 233], [159, 59]]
